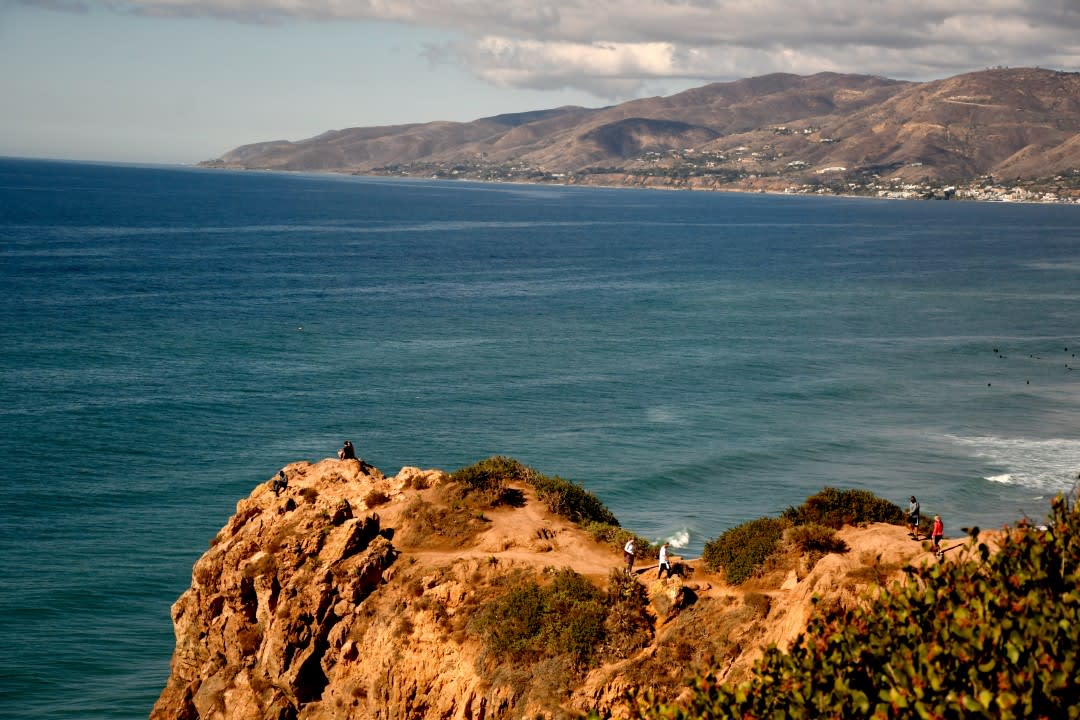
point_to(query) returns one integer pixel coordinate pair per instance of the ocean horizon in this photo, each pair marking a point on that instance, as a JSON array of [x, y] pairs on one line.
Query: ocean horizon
[[176, 335]]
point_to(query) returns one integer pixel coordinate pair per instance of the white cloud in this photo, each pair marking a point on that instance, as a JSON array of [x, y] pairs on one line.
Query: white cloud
[[606, 69], [614, 48]]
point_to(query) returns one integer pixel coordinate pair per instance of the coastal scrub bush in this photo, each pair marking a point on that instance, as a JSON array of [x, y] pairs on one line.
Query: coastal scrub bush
[[616, 537], [741, 550], [530, 621], [488, 477], [816, 539], [562, 497], [990, 635], [815, 542], [567, 619], [627, 627], [491, 473], [576, 614], [836, 508], [570, 500]]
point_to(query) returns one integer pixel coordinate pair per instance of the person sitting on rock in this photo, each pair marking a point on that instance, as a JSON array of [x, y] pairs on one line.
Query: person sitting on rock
[[280, 482], [347, 451]]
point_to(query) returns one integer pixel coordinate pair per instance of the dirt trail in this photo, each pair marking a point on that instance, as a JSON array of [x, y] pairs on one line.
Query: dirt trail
[[532, 535]]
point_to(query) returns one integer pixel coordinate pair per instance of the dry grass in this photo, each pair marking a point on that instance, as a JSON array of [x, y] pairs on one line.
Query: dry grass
[[873, 571], [436, 526]]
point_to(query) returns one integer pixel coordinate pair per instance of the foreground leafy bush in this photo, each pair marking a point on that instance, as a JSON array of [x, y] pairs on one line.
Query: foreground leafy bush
[[836, 508], [741, 550], [994, 636]]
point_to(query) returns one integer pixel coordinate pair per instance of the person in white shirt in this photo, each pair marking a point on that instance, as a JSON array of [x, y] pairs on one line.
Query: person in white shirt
[[664, 564], [628, 555]]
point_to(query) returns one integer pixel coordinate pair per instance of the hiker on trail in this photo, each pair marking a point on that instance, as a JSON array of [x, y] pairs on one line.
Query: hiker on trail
[[937, 533], [664, 564], [347, 451], [913, 518], [280, 482], [628, 554]]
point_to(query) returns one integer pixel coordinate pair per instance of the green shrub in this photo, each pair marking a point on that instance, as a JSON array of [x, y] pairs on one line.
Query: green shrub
[[836, 508], [627, 627], [568, 618], [563, 497], [616, 537], [571, 500], [816, 538], [576, 613], [531, 622], [741, 550], [607, 534], [491, 472], [510, 624], [488, 477], [991, 636]]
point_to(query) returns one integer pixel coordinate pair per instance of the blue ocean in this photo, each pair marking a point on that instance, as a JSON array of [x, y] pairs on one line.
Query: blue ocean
[[173, 336]]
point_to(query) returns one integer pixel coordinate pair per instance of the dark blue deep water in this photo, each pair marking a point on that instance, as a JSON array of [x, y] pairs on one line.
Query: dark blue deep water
[[171, 337]]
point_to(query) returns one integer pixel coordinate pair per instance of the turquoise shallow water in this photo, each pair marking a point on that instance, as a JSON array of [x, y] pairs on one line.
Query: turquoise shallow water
[[173, 336]]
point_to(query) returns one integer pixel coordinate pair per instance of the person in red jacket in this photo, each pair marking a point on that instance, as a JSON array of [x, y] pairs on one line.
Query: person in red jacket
[[937, 533]]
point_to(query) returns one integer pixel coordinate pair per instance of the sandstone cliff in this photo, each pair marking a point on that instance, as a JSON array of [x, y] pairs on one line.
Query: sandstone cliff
[[354, 595]]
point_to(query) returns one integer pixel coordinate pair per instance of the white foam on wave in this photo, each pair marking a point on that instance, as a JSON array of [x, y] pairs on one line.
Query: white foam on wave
[[662, 415], [679, 539], [1050, 465]]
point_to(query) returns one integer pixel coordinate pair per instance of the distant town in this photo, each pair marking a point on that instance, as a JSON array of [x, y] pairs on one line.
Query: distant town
[[761, 169]]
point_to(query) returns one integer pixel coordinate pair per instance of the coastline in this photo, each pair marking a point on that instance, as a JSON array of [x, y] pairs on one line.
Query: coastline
[[926, 192]]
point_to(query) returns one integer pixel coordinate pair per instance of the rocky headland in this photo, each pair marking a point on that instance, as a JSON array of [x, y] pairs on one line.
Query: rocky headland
[[350, 594]]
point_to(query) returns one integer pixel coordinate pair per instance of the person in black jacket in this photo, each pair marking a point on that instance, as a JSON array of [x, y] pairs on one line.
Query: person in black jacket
[[913, 518]]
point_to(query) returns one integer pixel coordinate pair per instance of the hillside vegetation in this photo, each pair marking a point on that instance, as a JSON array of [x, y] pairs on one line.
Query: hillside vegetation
[[828, 132], [994, 636], [499, 591]]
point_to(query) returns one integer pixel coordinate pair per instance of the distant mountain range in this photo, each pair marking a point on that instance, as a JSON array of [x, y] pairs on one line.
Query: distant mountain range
[[765, 132]]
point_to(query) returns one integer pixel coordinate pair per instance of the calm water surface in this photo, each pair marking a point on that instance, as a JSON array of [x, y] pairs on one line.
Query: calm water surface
[[173, 336]]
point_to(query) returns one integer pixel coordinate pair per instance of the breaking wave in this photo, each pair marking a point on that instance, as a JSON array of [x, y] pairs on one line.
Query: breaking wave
[[1051, 465], [679, 539]]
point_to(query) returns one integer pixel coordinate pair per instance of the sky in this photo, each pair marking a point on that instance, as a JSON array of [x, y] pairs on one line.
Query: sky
[[179, 81]]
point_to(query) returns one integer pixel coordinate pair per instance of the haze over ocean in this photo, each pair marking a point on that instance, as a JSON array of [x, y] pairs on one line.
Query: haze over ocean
[[174, 336]]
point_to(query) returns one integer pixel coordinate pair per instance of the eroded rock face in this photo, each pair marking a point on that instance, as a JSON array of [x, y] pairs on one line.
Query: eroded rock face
[[349, 595], [254, 630]]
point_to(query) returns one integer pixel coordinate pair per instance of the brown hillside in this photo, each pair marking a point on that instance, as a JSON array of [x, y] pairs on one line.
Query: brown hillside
[[1013, 123], [769, 131], [353, 595]]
